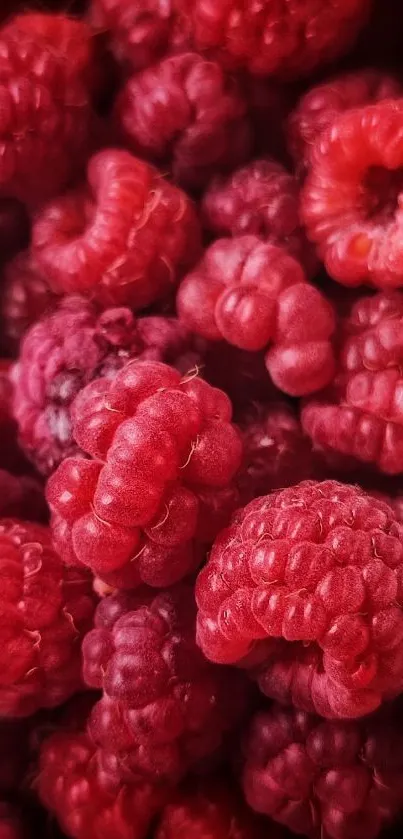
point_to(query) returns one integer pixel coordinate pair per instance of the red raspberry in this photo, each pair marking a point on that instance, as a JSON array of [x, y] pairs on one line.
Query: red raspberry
[[164, 707], [74, 345], [288, 39], [11, 822], [21, 496], [317, 108], [251, 293], [276, 452], [337, 780], [45, 610], [45, 91], [211, 809], [261, 199], [164, 453], [26, 297], [360, 415], [124, 238], [350, 202], [319, 565], [186, 114], [70, 786]]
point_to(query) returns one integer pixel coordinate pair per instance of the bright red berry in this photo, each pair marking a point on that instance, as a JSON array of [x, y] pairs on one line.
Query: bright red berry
[[261, 199], [68, 349], [360, 414], [164, 708], [25, 297], [252, 293], [308, 580], [288, 39], [186, 114], [124, 238], [45, 609], [160, 479], [351, 199], [339, 780]]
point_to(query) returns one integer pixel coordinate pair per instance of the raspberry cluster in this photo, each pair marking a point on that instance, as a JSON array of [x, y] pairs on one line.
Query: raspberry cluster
[[252, 293]]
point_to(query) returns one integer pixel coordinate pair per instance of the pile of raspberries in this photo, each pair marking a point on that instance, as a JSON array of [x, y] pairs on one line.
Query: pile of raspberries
[[201, 419]]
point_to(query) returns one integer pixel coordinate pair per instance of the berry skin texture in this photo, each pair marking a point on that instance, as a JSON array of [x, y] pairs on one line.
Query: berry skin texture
[[260, 199], [251, 294], [350, 202], [68, 349], [25, 298], [70, 785], [317, 108], [186, 114], [337, 780], [360, 414], [287, 39], [309, 581], [45, 94], [45, 610], [164, 708], [160, 480], [124, 239]]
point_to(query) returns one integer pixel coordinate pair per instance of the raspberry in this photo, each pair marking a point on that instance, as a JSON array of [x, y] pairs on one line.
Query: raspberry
[[164, 453], [124, 238], [70, 786], [164, 707], [288, 39], [211, 809], [186, 114], [310, 579], [251, 293], [74, 345], [317, 108], [276, 452], [261, 199], [339, 780], [26, 297], [46, 62], [11, 458], [21, 496], [350, 202], [45, 610], [360, 414], [11, 822]]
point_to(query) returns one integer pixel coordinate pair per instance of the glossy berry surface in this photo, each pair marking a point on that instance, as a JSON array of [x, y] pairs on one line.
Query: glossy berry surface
[[252, 293], [308, 580], [351, 200], [339, 780], [70, 785], [261, 199], [68, 349], [164, 707], [286, 38], [186, 114], [124, 237], [160, 479], [45, 611], [360, 415]]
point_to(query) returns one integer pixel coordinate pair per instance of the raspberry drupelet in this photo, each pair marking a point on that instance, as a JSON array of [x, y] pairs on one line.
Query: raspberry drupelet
[[288, 39], [45, 93], [317, 108], [46, 609], [160, 479], [334, 779], [25, 297], [70, 785], [186, 114], [360, 414], [164, 709], [261, 199], [68, 349], [305, 587], [254, 294], [211, 809], [350, 203], [124, 238]]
